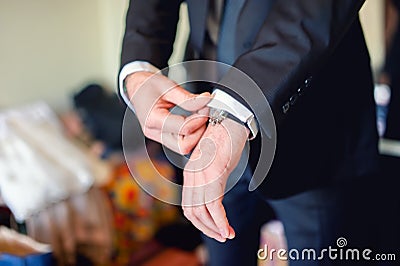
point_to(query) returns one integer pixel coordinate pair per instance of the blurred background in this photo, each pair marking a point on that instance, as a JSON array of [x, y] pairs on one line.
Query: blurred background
[[58, 76]]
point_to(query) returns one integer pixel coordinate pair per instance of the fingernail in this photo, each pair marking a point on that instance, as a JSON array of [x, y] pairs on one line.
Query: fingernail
[[224, 233], [231, 233], [204, 94]]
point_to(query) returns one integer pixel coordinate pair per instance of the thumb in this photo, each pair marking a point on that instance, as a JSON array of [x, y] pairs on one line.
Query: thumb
[[193, 102], [187, 100]]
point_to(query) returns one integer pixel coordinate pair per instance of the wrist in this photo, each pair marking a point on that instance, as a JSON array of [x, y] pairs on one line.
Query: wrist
[[134, 80], [127, 70], [237, 128]]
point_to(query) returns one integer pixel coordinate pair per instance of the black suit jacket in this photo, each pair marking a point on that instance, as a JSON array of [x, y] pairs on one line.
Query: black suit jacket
[[392, 68], [312, 48]]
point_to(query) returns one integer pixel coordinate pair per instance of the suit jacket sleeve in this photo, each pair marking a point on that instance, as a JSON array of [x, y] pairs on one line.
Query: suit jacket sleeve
[[295, 39], [150, 31]]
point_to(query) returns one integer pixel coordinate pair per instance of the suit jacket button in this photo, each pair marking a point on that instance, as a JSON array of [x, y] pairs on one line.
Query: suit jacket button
[[307, 82], [286, 108], [293, 99], [300, 91]]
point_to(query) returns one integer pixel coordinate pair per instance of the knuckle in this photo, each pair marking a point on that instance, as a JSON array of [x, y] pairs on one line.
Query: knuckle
[[185, 131], [147, 133], [150, 134], [212, 205], [151, 122], [188, 96], [187, 212], [199, 212], [185, 150], [188, 127]]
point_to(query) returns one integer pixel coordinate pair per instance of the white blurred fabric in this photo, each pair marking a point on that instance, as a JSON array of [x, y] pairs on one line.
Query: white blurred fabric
[[39, 166]]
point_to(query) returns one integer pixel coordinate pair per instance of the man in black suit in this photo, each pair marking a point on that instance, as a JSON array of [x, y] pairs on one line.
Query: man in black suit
[[310, 60]]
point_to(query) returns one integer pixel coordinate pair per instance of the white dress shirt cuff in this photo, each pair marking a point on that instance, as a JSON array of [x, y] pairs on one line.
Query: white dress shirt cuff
[[223, 101], [128, 69]]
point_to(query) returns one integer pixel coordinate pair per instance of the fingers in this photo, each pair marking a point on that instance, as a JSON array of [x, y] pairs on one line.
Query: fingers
[[218, 214], [153, 103], [200, 208], [187, 143], [162, 118], [179, 134], [194, 121], [172, 123], [181, 144], [209, 218], [191, 213], [194, 208], [213, 201], [202, 200], [188, 101]]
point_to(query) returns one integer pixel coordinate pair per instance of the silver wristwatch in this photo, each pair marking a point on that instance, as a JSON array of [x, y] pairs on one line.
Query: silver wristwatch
[[222, 106]]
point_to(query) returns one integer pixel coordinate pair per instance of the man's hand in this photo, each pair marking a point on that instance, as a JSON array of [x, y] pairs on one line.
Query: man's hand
[[206, 174], [152, 96]]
